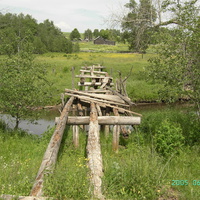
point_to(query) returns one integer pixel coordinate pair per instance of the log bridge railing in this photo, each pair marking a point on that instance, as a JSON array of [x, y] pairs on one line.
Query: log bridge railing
[[98, 105]]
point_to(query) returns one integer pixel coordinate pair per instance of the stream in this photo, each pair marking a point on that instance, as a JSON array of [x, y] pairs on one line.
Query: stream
[[47, 119]]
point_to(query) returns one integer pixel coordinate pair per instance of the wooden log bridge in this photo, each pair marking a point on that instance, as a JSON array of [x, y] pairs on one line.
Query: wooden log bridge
[[98, 105]]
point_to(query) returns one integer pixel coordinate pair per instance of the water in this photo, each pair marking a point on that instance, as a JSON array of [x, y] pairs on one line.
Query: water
[[48, 117], [38, 127]]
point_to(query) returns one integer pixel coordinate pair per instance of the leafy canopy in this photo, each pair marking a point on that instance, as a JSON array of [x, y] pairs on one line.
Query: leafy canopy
[[23, 86], [177, 65]]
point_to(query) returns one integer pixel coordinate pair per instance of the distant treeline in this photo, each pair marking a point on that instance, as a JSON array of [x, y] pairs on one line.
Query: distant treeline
[[22, 31]]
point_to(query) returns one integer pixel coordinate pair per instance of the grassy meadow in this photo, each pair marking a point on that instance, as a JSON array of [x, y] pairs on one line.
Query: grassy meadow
[[59, 71], [160, 159], [138, 171]]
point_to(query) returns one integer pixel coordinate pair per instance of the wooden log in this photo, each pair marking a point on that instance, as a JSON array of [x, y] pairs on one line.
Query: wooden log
[[51, 153], [103, 104], [105, 82], [104, 120], [112, 98], [73, 68], [91, 99], [75, 135], [12, 197], [107, 127], [116, 132], [89, 76], [96, 72], [91, 83], [99, 110], [80, 111], [102, 98], [97, 91], [94, 154], [125, 98], [95, 67]]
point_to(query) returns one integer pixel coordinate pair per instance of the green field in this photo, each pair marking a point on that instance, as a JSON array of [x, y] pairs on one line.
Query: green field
[[138, 171], [59, 71], [159, 160]]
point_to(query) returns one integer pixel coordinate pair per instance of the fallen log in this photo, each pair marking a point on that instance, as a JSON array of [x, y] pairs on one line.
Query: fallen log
[[51, 153], [12, 197], [94, 154]]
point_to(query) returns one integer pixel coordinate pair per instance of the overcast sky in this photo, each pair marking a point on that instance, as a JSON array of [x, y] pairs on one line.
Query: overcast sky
[[66, 14]]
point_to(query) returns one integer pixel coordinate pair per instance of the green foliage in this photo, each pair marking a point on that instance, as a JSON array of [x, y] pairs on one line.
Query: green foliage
[[177, 63], [20, 157], [88, 35], [75, 35], [137, 24], [23, 86], [136, 171], [70, 179], [18, 29], [168, 139], [76, 47]]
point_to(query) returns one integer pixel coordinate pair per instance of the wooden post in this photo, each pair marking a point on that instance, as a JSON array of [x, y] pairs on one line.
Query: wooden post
[[80, 112], [116, 132], [76, 135], [107, 127], [94, 154], [51, 153], [75, 128], [73, 76]]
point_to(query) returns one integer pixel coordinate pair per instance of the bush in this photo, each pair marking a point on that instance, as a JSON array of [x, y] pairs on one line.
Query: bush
[[168, 138]]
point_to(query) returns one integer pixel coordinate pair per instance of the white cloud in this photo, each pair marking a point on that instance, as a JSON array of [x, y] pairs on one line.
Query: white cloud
[[66, 14], [64, 26]]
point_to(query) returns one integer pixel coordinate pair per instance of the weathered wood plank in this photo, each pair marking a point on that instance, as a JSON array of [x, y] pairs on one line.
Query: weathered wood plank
[[105, 82], [89, 76], [12, 197], [105, 120], [91, 99], [95, 72], [95, 67], [91, 84], [104, 105], [108, 97], [125, 98], [94, 154], [51, 153], [99, 110]]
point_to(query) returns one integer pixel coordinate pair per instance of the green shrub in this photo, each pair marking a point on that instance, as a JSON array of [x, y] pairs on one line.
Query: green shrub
[[168, 139]]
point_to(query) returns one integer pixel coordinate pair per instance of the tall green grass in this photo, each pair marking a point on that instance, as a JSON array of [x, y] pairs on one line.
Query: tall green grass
[[59, 71], [137, 171], [20, 156]]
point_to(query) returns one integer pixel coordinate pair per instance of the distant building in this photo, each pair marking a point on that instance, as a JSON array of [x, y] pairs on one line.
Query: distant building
[[100, 40]]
